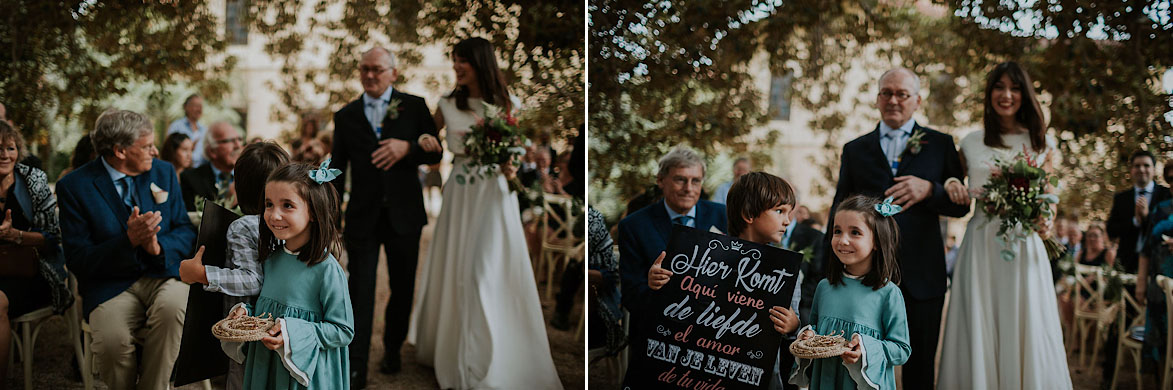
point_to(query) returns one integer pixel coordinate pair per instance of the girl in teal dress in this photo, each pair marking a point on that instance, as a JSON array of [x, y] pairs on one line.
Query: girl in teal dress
[[860, 300], [304, 288]]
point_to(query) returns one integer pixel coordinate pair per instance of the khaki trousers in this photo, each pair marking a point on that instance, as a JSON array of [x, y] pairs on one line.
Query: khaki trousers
[[149, 313]]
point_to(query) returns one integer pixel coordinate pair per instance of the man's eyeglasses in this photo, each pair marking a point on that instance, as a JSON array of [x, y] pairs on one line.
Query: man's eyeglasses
[[372, 69], [900, 95], [229, 140]]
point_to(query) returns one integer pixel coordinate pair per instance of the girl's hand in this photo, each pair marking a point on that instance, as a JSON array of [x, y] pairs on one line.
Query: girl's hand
[[806, 334], [657, 276], [785, 320], [239, 312], [274, 341], [852, 356]]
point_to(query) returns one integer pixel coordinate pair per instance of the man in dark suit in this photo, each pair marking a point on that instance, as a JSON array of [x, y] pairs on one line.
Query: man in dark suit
[[644, 233], [377, 138], [124, 232], [890, 161], [1130, 209], [213, 180]]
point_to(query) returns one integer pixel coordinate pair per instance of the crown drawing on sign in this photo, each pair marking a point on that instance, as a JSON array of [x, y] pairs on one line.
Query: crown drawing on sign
[[736, 245]]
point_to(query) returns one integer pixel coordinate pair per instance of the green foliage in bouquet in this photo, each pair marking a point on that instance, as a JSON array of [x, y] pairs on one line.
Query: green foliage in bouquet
[[493, 141], [1017, 195]]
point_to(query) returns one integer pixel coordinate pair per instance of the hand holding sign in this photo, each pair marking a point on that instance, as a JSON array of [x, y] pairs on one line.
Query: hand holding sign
[[657, 275], [852, 356], [785, 320]]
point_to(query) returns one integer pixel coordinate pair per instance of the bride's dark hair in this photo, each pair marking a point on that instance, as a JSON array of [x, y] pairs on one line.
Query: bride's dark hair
[[1030, 113], [479, 53]]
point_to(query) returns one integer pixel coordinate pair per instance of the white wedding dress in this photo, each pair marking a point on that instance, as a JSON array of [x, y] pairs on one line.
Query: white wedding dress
[[477, 317], [1002, 330]]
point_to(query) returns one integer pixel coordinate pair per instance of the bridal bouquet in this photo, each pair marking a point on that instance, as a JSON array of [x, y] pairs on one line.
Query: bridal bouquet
[[493, 141], [1016, 194]]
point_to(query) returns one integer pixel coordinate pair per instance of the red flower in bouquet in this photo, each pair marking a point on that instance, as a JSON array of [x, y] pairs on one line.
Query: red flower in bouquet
[[1019, 182], [494, 141]]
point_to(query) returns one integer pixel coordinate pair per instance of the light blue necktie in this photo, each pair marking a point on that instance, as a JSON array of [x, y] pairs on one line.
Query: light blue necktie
[[376, 119], [683, 220]]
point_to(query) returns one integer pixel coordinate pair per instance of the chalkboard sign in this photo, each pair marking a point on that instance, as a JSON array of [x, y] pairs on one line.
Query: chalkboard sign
[[200, 356], [709, 328]]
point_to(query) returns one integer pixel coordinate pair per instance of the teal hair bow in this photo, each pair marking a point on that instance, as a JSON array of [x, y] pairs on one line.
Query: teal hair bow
[[888, 209], [324, 173]]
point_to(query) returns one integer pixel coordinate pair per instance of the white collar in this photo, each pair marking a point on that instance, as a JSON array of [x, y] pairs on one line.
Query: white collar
[[386, 96], [1148, 188], [905, 128]]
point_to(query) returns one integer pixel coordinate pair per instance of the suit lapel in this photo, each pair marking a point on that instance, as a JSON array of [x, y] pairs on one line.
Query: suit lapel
[[142, 193], [873, 149], [660, 220], [361, 123], [105, 188], [907, 156]]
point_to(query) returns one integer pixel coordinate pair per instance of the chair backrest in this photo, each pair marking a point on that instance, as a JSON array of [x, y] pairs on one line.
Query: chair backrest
[[1089, 278], [560, 209], [1166, 285], [1131, 312]]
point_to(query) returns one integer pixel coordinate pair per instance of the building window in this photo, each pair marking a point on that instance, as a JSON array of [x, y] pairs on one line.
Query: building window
[[236, 22], [780, 97]]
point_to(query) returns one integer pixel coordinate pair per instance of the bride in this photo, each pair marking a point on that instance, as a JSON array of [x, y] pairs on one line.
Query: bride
[[477, 317], [1002, 330]]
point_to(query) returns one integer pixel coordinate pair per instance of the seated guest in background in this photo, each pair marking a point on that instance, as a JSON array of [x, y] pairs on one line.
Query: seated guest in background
[[29, 279], [83, 153], [802, 215], [643, 235], [189, 125], [312, 152], [740, 167], [177, 149], [125, 231], [1097, 252], [213, 180]]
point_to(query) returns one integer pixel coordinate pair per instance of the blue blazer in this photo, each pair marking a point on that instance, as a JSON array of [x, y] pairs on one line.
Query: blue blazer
[[643, 235], [93, 227]]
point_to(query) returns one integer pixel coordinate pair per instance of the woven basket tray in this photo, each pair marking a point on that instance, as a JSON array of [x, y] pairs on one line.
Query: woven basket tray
[[242, 329], [819, 346]]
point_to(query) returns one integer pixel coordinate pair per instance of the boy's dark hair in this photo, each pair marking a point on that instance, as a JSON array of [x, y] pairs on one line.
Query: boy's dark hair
[[886, 242], [256, 162], [753, 194], [322, 203], [1141, 153]]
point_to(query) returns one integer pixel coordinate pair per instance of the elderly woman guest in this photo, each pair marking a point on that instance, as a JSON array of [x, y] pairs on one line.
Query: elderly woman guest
[[29, 221], [177, 148]]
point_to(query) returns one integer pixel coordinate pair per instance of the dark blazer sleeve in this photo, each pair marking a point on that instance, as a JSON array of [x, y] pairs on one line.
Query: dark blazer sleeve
[[417, 155], [178, 237], [633, 273], [187, 190], [88, 256], [340, 154], [1120, 218], [938, 199]]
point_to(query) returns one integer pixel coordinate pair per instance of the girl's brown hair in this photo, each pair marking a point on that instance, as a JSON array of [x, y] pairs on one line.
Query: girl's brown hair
[[322, 203], [753, 194], [886, 241]]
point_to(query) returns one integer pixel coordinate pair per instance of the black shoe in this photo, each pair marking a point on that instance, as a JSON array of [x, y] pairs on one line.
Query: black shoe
[[358, 381], [391, 364], [560, 321]]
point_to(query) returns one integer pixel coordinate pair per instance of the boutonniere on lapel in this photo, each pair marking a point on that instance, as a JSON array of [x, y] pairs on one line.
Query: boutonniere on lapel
[[158, 193], [392, 111], [916, 142]]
